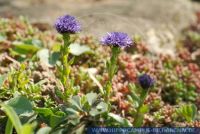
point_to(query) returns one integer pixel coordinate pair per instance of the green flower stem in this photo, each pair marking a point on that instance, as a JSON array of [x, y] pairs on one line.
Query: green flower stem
[[65, 64], [112, 68], [138, 119]]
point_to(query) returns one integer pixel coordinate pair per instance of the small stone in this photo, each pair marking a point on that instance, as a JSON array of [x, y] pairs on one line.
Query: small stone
[[37, 76]]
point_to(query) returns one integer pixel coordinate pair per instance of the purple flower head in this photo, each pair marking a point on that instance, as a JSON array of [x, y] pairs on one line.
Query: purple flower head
[[116, 39], [67, 24], [145, 81]]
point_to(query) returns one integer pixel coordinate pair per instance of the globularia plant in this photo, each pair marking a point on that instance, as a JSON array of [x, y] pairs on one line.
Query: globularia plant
[[66, 25], [145, 82], [116, 40]]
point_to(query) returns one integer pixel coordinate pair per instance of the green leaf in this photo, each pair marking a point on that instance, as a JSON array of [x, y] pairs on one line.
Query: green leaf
[[59, 131], [27, 129], [133, 93], [74, 120], [49, 115], [144, 109], [9, 127], [194, 111], [187, 111], [34, 42], [94, 112], [21, 48], [59, 93], [124, 122], [77, 49], [44, 111], [44, 130], [139, 120], [71, 61], [2, 79], [25, 49], [13, 117], [54, 57], [56, 47], [21, 105], [76, 101], [91, 98], [71, 111], [102, 106], [55, 120], [43, 55], [99, 109]]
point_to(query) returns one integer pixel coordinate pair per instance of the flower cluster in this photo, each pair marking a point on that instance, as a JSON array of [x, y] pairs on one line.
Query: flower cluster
[[67, 24], [119, 39], [145, 81]]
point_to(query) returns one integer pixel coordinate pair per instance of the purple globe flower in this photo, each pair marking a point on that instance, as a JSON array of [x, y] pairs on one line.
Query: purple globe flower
[[67, 24], [145, 81], [116, 39]]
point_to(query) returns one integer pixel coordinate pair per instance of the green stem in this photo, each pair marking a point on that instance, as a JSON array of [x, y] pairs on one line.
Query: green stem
[[138, 119], [112, 68], [65, 65]]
